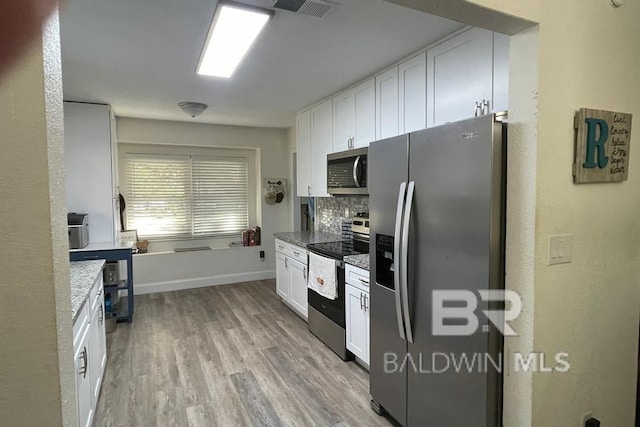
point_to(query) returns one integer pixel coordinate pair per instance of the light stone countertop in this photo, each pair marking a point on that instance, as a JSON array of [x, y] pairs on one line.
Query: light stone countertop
[[360, 261], [303, 238], [83, 276]]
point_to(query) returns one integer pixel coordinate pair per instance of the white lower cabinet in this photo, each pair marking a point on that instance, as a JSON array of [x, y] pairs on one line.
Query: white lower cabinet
[[83, 381], [298, 279], [90, 347], [357, 312], [98, 350], [291, 276], [283, 285]]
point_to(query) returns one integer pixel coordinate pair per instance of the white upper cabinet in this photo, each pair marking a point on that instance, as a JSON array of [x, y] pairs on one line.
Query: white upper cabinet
[[440, 85], [364, 99], [321, 145], [459, 75], [412, 88], [387, 104], [354, 117], [500, 72], [343, 121], [303, 133], [314, 129]]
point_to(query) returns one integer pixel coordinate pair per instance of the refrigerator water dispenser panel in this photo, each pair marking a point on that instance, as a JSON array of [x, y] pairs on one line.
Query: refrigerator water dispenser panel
[[384, 261]]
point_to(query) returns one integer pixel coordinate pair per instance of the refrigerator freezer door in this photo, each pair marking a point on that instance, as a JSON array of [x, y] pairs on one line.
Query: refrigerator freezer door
[[388, 168], [455, 237]]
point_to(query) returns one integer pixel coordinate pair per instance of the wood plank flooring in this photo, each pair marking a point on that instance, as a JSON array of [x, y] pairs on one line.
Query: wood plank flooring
[[229, 355]]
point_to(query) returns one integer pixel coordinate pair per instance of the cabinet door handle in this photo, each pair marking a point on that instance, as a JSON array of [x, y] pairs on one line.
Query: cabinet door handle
[[296, 253], [304, 274], [286, 264], [361, 303], [101, 318], [85, 361], [366, 303], [478, 111], [364, 282], [485, 107]]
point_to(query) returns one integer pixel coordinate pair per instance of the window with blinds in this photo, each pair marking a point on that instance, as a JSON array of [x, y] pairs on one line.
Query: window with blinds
[[173, 197]]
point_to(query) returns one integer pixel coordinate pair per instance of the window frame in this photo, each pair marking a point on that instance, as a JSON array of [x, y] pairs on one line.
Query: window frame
[[160, 150]]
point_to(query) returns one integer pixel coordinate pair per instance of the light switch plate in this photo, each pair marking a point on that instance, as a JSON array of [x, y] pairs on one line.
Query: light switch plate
[[560, 249]]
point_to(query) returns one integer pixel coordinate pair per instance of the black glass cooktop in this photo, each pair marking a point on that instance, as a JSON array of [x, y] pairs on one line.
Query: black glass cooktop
[[340, 249]]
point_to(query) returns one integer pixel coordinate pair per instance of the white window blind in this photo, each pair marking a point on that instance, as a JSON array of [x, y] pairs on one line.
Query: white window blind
[[186, 196], [220, 195]]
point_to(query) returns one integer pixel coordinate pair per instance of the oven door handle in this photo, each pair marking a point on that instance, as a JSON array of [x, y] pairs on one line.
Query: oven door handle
[[356, 165], [396, 256]]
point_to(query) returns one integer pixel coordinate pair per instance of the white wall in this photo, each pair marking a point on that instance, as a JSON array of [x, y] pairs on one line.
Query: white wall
[[37, 378], [170, 271]]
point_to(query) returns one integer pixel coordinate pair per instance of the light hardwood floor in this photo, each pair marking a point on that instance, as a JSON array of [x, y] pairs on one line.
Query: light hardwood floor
[[230, 355]]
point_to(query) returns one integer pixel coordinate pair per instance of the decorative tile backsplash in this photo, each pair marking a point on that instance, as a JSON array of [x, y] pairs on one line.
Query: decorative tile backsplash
[[333, 214]]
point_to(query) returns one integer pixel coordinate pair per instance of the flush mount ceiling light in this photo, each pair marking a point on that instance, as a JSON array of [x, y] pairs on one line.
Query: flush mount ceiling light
[[617, 3], [233, 30], [194, 109]]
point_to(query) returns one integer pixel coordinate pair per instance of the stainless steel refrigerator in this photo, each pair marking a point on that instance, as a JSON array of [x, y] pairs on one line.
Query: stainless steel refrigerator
[[437, 223]]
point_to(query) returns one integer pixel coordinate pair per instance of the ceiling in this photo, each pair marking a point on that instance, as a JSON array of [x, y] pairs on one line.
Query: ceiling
[[140, 56]]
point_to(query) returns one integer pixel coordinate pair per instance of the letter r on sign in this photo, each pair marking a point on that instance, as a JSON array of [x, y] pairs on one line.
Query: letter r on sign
[[594, 144]]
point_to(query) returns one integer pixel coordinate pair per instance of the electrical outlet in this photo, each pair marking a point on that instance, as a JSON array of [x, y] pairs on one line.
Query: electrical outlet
[[585, 417]]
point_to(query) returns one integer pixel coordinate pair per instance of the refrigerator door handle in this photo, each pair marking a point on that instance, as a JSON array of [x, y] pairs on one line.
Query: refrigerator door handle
[[396, 256], [404, 264]]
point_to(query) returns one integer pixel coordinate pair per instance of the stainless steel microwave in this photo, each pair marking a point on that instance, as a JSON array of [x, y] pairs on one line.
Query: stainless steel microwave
[[347, 172]]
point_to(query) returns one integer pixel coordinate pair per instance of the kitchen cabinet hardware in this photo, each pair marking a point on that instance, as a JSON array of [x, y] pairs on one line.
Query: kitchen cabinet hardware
[[485, 107], [364, 282], [286, 263], [101, 318], [478, 110], [85, 361], [361, 304]]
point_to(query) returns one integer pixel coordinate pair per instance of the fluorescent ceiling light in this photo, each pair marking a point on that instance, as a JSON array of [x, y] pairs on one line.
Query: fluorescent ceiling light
[[233, 31]]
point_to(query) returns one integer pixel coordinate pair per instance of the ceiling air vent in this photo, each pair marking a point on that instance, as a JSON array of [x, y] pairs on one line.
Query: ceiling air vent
[[317, 8]]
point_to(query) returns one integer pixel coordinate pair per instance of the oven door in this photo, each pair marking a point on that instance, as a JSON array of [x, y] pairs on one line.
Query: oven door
[[333, 309]]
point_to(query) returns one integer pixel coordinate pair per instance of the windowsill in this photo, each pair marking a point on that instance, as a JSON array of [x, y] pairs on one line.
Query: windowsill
[[204, 250]]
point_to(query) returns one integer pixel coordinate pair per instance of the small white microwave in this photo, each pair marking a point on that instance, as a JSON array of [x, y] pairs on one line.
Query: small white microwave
[[347, 172]]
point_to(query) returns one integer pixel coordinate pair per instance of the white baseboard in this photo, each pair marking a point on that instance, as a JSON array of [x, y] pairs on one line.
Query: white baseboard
[[201, 282]]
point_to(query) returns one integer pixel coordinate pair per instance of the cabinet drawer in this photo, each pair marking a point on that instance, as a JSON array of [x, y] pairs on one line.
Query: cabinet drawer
[[81, 324], [292, 251], [281, 246], [357, 277], [298, 253]]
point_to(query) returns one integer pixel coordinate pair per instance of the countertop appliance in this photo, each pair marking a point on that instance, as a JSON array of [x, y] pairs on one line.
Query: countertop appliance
[[437, 221], [347, 172], [327, 317], [78, 228]]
